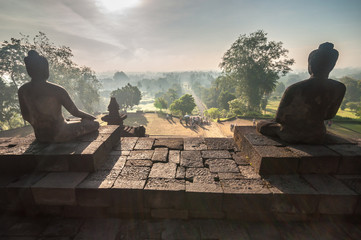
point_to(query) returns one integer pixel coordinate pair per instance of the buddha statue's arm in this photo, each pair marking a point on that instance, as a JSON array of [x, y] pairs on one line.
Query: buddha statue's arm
[[285, 101], [71, 108], [23, 108], [333, 108]]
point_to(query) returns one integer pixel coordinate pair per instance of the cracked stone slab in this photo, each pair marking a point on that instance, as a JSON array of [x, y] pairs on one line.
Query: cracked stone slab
[[170, 143], [114, 162], [222, 165], [135, 173], [100, 179], [144, 144], [245, 186], [216, 154], [163, 170], [240, 159], [141, 155], [248, 172], [174, 156], [191, 159], [181, 172], [230, 175], [126, 144], [165, 184], [200, 175], [139, 163], [194, 144], [160, 155]]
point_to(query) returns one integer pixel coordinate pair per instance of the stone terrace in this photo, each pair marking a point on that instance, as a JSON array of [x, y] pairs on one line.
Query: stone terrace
[[190, 178]]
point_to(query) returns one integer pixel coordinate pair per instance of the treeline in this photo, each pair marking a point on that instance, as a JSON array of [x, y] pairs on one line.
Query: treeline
[[80, 81]]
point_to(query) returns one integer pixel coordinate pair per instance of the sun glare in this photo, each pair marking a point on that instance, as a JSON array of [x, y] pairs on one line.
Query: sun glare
[[118, 5]]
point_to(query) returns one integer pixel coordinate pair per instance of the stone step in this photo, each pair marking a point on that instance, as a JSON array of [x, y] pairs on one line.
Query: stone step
[[25, 155], [181, 178], [273, 156]]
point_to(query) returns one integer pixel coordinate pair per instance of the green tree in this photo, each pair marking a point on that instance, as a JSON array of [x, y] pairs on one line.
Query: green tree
[[9, 107], [160, 103], [224, 98], [256, 64], [237, 107], [127, 96], [184, 104], [213, 113], [280, 88]]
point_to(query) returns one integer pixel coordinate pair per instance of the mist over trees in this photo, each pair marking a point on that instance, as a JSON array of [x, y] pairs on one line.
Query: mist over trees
[[127, 96], [80, 82]]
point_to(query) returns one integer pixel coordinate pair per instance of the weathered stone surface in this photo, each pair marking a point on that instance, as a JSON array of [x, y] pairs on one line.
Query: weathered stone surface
[[170, 143], [316, 159], [57, 188], [134, 173], [248, 172], [240, 159], [138, 163], [274, 160], [170, 214], [216, 154], [181, 172], [160, 155], [174, 156], [200, 175], [126, 143], [244, 186], [222, 165], [204, 188], [100, 179], [257, 139], [191, 159], [165, 184], [99, 229], [351, 158], [144, 144], [163, 170], [26, 227], [124, 183], [63, 228], [141, 155], [113, 162], [230, 175], [351, 181], [336, 197], [220, 144], [194, 144]]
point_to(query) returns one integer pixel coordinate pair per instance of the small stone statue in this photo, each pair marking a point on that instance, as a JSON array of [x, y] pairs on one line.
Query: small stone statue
[[307, 104], [41, 102], [113, 118]]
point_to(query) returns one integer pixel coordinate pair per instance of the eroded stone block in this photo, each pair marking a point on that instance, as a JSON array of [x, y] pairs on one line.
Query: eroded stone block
[[191, 159]]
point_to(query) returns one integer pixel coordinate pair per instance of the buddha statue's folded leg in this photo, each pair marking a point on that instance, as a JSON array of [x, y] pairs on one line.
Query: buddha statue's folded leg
[[76, 129], [268, 127]]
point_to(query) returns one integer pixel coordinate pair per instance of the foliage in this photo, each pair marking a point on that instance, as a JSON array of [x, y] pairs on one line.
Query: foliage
[[224, 98], [120, 76], [160, 103], [237, 107], [256, 64], [9, 107], [183, 105], [353, 105], [127, 96], [280, 88], [80, 82], [213, 113]]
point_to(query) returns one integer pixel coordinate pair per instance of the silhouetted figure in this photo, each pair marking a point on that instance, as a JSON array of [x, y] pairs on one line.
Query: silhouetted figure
[[306, 104], [114, 118], [41, 102]]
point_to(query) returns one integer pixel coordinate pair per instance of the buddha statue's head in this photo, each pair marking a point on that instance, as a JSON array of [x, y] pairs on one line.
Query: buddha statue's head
[[37, 66], [322, 60]]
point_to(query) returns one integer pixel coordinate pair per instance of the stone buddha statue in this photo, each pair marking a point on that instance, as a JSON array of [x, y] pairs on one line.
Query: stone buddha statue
[[41, 103], [307, 104]]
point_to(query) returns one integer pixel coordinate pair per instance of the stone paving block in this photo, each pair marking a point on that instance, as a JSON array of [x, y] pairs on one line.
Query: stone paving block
[[106, 229], [191, 159], [194, 172], [63, 227], [220, 229], [165, 184], [124, 183], [170, 143], [248, 172], [126, 144], [263, 231], [195, 214], [26, 227], [160, 155], [257, 139], [114, 162], [57, 188], [181, 172], [335, 197], [351, 158], [140, 230], [134, 173], [169, 213], [220, 144], [292, 194], [144, 144], [174, 156], [141, 155], [230, 175], [163, 170], [138, 163], [216, 154], [85, 212], [351, 181], [316, 159], [55, 163], [95, 189], [222, 165], [181, 230], [240, 159], [95, 137], [274, 160], [245, 186], [204, 188], [191, 144]]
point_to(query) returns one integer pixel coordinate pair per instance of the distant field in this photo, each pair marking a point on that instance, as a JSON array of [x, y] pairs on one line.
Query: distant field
[[273, 105]]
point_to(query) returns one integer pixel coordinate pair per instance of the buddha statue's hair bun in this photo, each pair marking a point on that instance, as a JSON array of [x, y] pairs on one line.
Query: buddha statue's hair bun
[[37, 66], [33, 53], [326, 46]]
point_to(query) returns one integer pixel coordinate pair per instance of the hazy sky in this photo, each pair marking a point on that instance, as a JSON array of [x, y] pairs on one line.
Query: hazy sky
[[176, 35]]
